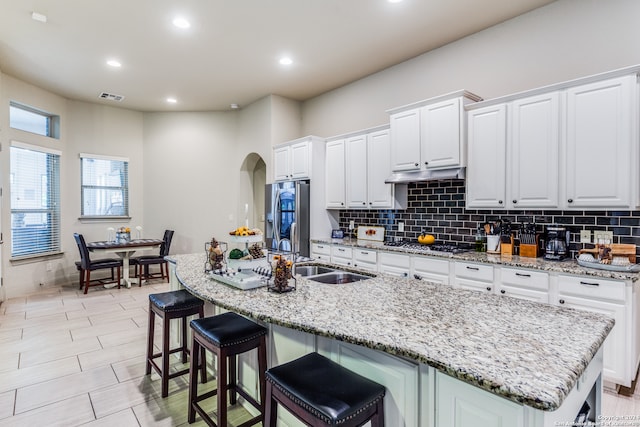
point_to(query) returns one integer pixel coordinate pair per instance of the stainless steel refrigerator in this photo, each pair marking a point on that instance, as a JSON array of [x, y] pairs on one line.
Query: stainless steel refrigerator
[[287, 216]]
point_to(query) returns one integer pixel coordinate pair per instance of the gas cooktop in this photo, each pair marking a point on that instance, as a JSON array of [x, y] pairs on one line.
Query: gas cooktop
[[443, 248]]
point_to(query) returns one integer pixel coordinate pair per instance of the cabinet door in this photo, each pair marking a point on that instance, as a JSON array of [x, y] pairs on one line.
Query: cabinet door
[[486, 165], [462, 405], [335, 175], [400, 377], [405, 140], [599, 138], [300, 160], [380, 195], [356, 148], [394, 264], [281, 163], [440, 134], [535, 137], [431, 269]]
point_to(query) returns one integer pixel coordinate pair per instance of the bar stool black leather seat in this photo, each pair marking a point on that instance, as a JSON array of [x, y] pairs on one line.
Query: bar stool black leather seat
[[320, 392], [171, 305], [226, 335]]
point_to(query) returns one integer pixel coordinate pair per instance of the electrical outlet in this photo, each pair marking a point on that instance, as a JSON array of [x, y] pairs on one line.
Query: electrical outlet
[[352, 225], [585, 236], [603, 236], [401, 227]]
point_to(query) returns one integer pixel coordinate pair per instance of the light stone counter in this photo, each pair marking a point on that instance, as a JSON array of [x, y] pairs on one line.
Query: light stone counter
[[526, 352], [568, 266]]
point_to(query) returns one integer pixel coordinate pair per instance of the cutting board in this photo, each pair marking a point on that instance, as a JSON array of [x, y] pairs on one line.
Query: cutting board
[[371, 233]]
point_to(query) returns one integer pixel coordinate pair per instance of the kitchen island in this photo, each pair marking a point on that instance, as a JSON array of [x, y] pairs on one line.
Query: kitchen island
[[498, 357]]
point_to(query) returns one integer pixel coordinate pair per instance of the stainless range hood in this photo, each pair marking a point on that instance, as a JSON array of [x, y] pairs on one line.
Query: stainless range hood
[[427, 175]]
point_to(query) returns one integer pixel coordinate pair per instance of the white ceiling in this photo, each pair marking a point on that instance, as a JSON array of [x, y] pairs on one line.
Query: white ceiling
[[230, 53]]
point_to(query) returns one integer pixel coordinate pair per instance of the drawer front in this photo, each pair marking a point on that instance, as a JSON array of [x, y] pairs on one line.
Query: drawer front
[[321, 248], [395, 260], [591, 287], [430, 265], [474, 271], [365, 255], [341, 252], [526, 279]]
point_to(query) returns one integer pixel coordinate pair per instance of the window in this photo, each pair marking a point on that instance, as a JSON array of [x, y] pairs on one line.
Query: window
[[105, 186], [32, 120], [35, 200]]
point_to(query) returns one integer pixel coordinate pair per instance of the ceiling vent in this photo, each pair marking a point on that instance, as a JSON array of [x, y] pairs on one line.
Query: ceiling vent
[[111, 97]]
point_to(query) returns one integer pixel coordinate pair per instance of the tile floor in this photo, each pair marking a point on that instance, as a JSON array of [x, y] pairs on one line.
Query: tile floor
[[68, 359]]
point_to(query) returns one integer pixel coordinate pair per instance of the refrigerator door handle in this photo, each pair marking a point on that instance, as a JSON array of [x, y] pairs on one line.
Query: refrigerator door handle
[[277, 216], [294, 237]]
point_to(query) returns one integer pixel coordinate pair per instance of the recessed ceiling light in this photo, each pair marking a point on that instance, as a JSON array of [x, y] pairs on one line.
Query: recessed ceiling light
[[114, 63], [286, 60], [39, 17], [181, 22], [234, 106], [394, 1], [172, 100]]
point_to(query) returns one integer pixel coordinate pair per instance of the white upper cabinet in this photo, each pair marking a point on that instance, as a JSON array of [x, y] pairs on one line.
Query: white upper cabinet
[[405, 134], [357, 166], [573, 147], [430, 134], [441, 141], [487, 158], [293, 160], [335, 175], [601, 132], [535, 148]]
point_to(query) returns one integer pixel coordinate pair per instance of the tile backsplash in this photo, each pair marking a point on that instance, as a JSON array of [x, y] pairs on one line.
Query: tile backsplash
[[438, 208]]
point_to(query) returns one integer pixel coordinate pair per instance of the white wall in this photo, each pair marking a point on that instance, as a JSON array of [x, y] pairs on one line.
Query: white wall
[[562, 41]]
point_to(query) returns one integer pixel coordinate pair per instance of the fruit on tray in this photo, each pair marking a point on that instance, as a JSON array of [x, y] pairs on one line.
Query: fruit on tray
[[245, 231], [426, 239]]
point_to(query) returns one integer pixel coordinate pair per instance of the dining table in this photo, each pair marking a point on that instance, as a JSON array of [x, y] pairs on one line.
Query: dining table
[[124, 249]]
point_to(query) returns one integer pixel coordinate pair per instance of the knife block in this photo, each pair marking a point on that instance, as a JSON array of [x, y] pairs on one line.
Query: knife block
[[530, 251], [506, 246]]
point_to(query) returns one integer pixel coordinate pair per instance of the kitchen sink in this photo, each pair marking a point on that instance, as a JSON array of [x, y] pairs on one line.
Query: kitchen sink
[[312, 270], [338, 277]]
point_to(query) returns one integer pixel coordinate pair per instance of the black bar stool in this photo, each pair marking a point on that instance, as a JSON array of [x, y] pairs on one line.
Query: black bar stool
[[320, 392], [171, 305], [226, 335]]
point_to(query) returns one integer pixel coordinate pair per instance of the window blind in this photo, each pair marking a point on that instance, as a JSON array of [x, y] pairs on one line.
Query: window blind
[[35, 200]]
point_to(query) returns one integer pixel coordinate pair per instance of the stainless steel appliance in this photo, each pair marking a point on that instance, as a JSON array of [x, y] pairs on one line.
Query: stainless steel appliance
[[287, 216], [556, 242]]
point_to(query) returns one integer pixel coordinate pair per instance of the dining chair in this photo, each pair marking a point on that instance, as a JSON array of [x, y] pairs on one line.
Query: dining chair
[[142, 263], [87, 265]]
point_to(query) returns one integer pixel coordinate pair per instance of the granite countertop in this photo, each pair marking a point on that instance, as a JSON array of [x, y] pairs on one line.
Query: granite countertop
[[524, 351], [568, 266]]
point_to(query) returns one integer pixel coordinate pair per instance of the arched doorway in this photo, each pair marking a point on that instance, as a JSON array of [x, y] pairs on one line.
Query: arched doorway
[[253, 178]]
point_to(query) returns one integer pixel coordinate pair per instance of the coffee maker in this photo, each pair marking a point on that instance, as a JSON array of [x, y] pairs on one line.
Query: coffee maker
[[556, 242]]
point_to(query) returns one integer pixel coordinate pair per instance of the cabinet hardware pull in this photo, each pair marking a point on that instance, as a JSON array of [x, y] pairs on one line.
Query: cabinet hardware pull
[[561, 301], [499, 201], [514, 201], [472, 268], [341, 250], [364, 253], [570, 201], [364, 203], [405, 274], [502, 291], [426, 163], [416, 164], [488, 288], [589, 283], [523, 275]]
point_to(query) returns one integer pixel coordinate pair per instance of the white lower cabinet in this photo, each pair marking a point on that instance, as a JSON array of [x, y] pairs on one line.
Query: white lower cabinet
[[605, 297], [321, 252], [475, 277], [398, 265], [430, 269], [399, 376], [341, 255], [365, 259], [524, 284], [459, 404]]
